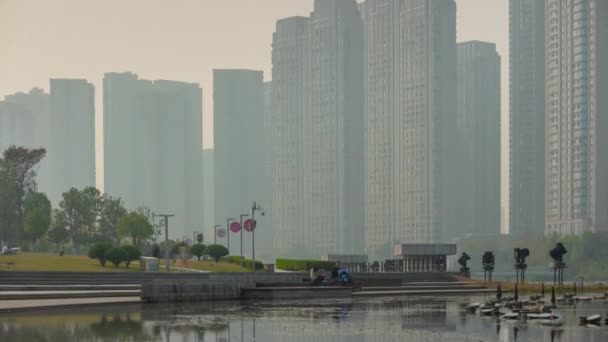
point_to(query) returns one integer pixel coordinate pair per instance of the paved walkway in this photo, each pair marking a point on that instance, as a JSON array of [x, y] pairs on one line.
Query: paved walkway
[[18, 305]]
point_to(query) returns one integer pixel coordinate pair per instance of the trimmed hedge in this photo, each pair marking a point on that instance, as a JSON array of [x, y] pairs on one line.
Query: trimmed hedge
[[303, 265], [246, 264]]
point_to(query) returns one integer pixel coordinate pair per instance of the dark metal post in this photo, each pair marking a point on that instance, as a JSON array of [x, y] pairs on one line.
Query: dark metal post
[[215, 234], [254, 207], [228, 232], [167, 256], [241, 222], [553, 295]]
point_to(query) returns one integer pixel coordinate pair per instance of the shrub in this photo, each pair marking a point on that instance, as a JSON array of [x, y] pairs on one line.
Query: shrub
[[98, 251], [116, 256], [303, 265], [132, 254], [216, 251], [180, 246], [246, 263], [198, 250]]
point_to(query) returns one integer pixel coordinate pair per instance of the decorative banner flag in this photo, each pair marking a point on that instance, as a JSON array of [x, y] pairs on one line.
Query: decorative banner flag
[[221, 232], [249, 225], [235, 227]]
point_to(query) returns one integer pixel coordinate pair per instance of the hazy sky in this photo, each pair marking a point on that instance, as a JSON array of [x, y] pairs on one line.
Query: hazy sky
[[177, 39]]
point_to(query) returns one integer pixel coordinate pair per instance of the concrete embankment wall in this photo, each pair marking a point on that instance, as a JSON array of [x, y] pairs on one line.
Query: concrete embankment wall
[[181, 287], [112, 278]]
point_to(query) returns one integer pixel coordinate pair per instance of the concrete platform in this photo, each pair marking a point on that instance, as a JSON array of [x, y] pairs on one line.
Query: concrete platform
[[423, 287], [23, 295], [455, 291], [297, 292], [116, 287], [21, 305]]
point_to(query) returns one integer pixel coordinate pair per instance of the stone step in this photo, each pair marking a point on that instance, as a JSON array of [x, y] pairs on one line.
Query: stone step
[[430, 287], [65, 287], [28, 295], [421, 292]]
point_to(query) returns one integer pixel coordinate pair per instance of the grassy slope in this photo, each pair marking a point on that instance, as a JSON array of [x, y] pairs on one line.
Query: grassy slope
[[53, 262]]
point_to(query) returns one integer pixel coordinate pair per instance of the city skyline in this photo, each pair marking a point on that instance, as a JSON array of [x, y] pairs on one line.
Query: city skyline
[[29, 29]]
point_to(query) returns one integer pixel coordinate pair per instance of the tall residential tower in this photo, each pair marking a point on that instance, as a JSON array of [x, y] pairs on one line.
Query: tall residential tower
[[318, 96], [238, 147], [478, 129], [410, 115], [527, 117], [152, 146], [576, 188], [71, 152]]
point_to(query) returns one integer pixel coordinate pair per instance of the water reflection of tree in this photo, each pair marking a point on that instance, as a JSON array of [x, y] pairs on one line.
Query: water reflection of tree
[[118, 327]]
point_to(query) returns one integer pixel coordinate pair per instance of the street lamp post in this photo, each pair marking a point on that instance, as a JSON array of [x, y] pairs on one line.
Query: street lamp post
[[215, 234], [194, 241], [228, 232], [241, 222], [255, 207], [167, 257]]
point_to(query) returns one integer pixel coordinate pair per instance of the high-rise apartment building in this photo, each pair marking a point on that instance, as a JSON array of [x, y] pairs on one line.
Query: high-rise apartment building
[[152, 147], [318, 95], [478, 142], [238, 147], [410, 114], [576, 188], [25, 121], [289, 49], [71, 153], [527, 117]]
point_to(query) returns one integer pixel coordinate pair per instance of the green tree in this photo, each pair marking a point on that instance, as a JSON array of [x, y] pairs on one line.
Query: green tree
[[58, 233], [132, 254], [71, 211], [136, 226], [91, 204], [98, 251], [17, 180], [81, 210], [112, 210], [198, 250], [116, 256], [37, 219], [216, 251], [156, 225]]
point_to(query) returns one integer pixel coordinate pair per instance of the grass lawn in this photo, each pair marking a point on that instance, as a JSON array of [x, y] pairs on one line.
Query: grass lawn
[[211, 266], [54, 262]]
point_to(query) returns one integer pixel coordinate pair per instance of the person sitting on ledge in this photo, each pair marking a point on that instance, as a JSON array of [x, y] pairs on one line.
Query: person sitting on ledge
[[317, 276], [344, 277], [335, 273]]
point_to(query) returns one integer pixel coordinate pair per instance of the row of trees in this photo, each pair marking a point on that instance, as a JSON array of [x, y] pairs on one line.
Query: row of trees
[[83, 217]]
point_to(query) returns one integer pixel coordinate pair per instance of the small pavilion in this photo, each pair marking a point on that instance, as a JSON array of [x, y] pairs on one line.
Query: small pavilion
[[425, 257]]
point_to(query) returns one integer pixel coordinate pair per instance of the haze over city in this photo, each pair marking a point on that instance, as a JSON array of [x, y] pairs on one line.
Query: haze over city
[[356, 125], [183, 40]]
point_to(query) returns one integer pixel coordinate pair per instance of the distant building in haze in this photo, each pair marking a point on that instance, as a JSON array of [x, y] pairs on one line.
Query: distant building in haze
[[71, 153], [25, 121], [152, 147], [238, 146], [208, 196], [527, 117], [265, 247], [318, 106], [576, 154], [410, 102], [478, 141]]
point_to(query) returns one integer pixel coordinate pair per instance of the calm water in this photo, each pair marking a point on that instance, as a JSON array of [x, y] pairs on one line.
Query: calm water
[[386, 319]]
